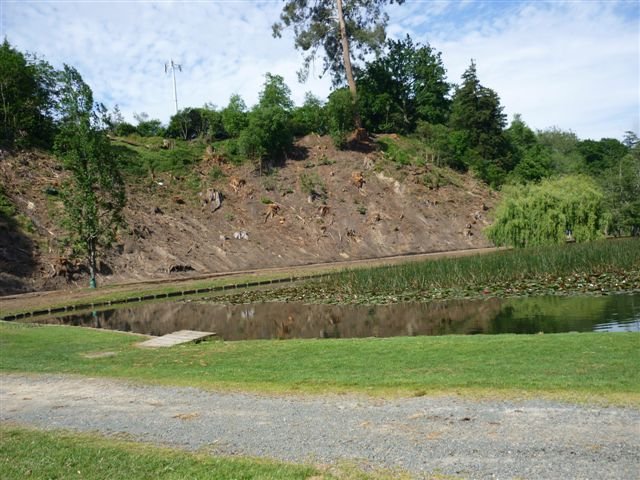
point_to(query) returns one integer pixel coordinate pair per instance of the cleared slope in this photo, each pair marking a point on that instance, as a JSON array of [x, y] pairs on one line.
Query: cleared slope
[[321, 205]]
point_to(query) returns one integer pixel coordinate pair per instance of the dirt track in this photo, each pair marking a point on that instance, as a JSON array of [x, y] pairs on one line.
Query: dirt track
[[38, 300], [532, 439]]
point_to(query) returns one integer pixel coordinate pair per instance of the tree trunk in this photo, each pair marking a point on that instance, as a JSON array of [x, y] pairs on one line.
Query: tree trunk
[[91, 250], [346, 57]]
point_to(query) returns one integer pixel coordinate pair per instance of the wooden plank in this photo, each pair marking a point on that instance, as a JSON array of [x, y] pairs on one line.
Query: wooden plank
[[176, 338]]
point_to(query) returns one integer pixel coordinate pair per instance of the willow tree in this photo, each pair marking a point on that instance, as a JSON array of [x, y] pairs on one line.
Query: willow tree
[[93, 193], [342, 28], [549, 212]]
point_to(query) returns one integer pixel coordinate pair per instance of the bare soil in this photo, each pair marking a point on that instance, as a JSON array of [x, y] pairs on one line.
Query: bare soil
[[364, 207]]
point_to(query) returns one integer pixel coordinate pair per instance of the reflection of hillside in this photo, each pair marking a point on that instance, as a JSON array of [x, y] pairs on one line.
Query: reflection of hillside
[[291, 320], [295, 320]]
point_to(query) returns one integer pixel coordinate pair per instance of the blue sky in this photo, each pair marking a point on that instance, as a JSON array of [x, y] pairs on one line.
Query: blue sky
[[569, 64]]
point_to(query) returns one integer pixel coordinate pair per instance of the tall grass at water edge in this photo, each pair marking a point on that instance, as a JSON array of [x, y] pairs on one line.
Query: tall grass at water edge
[[539, 264]]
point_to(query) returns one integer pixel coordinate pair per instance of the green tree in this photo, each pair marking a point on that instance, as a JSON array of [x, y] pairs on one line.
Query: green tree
[[442, 143], [341, 28], [534, 164], [403, 86], [148, 127], [563, 148], [601, 155], [545, 213], [520, 135], [340, 111], [27, 87], [310, 117], [213, 119], [476, 113], [114, 119], [268, 134], [621, 184], [234, 116], [533, 160], [94, 195], [189, 123]]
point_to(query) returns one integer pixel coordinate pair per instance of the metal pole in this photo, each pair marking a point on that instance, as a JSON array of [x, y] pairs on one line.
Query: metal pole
[[175, 90]]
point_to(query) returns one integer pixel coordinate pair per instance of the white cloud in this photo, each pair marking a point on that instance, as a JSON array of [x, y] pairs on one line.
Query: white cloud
[[120, 49], [572, 64]]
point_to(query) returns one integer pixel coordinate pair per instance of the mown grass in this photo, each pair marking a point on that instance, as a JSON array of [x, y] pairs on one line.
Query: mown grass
[[578, 367], [45, 455], [556, 267]]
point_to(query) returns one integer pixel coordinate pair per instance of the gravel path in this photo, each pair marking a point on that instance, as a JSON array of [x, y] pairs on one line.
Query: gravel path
[[473, 439]]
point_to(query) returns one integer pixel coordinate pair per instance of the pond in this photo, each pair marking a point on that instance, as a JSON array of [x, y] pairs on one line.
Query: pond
[[297, 320]]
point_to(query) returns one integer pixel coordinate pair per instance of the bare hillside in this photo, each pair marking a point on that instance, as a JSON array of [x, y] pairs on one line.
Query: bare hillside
[[321, 205]]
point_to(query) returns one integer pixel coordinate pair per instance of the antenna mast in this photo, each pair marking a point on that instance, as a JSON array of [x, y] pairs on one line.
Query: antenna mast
[[171, 65]]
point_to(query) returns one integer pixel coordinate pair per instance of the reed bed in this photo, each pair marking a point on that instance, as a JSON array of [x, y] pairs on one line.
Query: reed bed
[[541, 264]]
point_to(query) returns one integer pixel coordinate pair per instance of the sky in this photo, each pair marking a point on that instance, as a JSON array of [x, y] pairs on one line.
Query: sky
[[569, 64]]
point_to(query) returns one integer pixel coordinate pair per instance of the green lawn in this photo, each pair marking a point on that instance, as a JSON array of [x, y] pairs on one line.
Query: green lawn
[[47, 455], [588, 367]]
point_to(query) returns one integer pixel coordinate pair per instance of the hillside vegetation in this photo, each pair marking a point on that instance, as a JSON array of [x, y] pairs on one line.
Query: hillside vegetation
[[324, 205], [411, 164]]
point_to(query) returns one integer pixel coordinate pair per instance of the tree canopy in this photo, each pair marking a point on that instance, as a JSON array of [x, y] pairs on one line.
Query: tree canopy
[[477, 115], [550, 212], [342, 28], [316, 27], [94, 194], [27, 90], [269, 134], [405, 85]]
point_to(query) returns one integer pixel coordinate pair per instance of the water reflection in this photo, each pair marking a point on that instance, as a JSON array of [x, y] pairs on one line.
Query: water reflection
[[295, 320]]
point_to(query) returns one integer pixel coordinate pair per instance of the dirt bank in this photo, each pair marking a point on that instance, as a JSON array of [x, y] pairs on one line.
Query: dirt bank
[[320, 205]]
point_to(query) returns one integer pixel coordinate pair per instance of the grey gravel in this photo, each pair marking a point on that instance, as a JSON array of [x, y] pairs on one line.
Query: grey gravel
[[534, 439]]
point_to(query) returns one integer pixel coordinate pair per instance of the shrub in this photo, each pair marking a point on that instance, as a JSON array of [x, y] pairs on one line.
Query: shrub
[[310, 117], [188, 124], [124, 129], [341, 112], [234, 116], [312, 185]]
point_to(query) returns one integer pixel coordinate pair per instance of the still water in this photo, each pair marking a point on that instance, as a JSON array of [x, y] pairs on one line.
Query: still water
[[297, 320]]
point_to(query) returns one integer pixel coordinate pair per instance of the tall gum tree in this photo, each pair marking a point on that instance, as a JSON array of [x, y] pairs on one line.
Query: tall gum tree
[[342, 28]]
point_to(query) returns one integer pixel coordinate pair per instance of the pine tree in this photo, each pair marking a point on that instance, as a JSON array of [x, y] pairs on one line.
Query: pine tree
[[477, 115]]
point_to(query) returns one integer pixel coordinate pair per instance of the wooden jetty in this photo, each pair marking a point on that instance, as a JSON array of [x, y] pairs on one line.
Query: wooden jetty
[[176, 338]]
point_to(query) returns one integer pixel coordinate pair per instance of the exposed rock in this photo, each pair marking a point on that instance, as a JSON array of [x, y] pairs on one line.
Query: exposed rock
[[213, 198]]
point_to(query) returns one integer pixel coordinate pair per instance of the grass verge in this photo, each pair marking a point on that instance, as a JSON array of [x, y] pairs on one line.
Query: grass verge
[[113, 294], [44, 455], [586, 367], [35, 454]]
